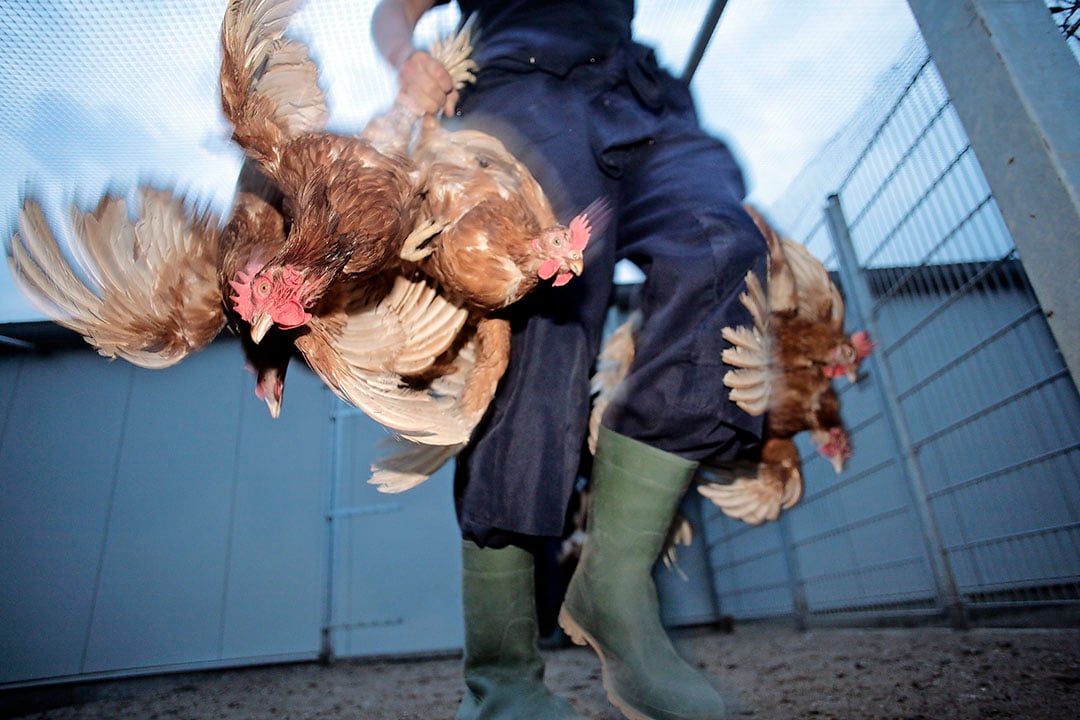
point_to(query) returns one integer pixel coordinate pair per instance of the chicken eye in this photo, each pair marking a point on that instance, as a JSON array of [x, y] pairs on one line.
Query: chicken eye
[[262, 289]]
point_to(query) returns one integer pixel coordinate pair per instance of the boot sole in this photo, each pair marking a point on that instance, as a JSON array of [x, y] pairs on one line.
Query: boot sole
[[579, 637]]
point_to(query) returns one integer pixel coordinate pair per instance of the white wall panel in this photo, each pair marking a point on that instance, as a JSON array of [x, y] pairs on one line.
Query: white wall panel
[[9, 377], [58, 456], [163, 575], [157, 519], [686, 592], [277, 566]]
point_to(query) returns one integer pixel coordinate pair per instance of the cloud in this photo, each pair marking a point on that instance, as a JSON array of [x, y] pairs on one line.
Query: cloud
[[102, 98], [779, 79]]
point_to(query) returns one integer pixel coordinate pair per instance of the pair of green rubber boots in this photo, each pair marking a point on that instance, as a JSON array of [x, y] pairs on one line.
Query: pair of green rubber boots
[[611, 604]]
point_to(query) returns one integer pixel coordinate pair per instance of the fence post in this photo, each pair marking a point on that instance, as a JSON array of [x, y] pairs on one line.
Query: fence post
[[799, 605], [337, 434], [859, 309]]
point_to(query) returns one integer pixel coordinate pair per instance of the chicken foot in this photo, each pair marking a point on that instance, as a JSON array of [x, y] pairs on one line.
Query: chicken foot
[[415, 247]]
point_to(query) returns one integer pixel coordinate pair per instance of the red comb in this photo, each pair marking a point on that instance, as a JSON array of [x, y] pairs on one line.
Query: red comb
[[242, 286], [592, 220], [862, 344], [837, 445]]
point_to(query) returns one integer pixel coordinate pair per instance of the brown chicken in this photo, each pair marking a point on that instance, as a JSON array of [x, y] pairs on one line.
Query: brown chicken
[[351, 206], [158, 288], [486, 231], [494, 237], [269, 290], [486, 236], [497, 234], [255, 231], [784, 367], [156, 283]]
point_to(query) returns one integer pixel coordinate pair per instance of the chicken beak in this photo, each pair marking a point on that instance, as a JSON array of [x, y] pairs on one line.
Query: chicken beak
[[575, 264], [838, 462], [260, 325]]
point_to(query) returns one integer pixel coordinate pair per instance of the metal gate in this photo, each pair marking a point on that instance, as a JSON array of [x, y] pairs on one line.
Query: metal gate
[[964, 492], [393, 561]]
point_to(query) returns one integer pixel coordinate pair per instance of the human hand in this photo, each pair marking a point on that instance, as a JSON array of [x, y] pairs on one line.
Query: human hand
[[424, 86]]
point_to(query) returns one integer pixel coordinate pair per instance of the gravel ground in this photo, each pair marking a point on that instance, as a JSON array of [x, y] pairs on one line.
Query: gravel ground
[[892, 674]]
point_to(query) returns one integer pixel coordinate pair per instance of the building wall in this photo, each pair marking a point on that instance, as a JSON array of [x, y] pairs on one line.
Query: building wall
[[156, 520]]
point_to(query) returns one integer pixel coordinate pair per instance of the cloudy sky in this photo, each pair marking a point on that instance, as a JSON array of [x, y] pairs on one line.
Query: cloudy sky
[[98, 97]]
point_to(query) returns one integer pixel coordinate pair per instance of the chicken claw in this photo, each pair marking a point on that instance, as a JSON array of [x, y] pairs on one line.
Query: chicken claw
[[415, 249]]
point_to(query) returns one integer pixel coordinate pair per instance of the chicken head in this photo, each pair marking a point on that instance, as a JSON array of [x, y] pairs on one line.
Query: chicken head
[[272, 295], [835, 446], [847, 356], [561, 249]]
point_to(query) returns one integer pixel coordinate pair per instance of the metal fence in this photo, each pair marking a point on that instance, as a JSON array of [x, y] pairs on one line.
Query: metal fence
[[963, 492]]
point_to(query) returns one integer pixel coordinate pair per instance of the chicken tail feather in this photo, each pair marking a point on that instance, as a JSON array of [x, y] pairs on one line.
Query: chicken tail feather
[[408, 464]]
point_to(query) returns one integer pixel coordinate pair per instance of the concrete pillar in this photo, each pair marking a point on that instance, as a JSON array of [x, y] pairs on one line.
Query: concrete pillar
[[1016, 89]]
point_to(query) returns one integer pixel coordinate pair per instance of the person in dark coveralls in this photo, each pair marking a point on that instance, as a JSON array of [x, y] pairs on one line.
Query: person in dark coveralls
[[592, 115]]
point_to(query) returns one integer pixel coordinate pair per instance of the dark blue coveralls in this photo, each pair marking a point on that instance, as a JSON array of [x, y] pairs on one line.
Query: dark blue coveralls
[[592, 115]]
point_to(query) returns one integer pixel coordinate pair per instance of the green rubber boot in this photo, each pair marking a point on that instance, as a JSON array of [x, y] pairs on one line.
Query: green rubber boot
[[611, 603], [504, 674]]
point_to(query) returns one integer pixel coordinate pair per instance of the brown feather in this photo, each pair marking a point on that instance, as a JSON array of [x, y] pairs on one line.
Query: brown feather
[[150, 295], [351, 206]]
